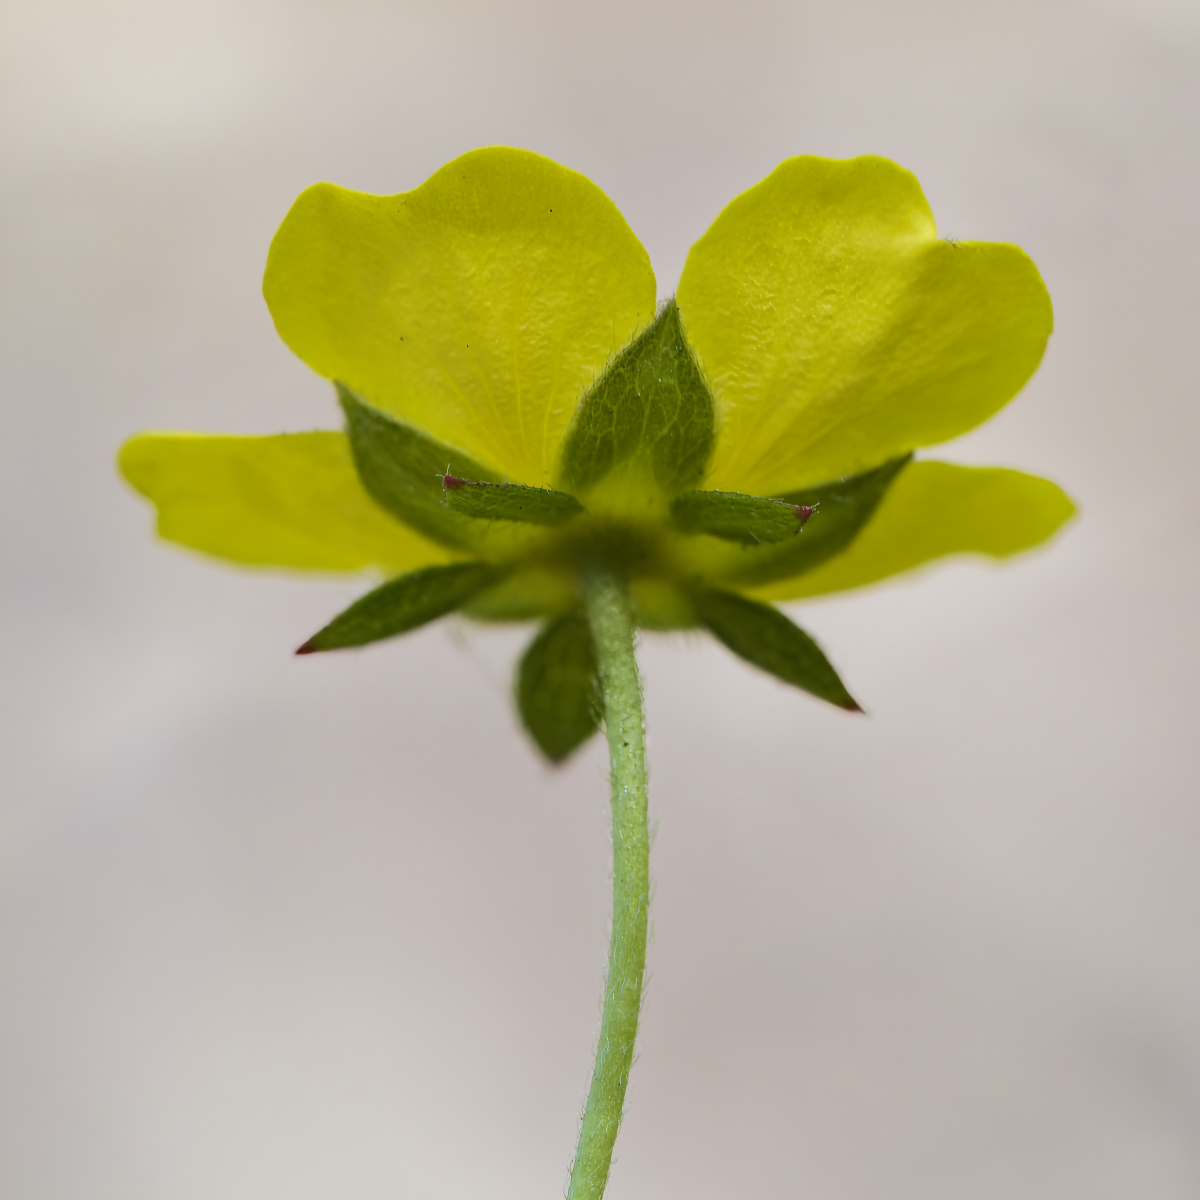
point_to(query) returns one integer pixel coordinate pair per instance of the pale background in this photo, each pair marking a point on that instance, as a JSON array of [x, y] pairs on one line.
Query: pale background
[[315, 929]]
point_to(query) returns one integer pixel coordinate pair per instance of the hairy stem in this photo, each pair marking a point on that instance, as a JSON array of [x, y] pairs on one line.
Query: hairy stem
[[613, 633]]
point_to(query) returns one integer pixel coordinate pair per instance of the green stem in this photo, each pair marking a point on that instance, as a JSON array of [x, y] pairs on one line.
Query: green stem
[[612, 628]]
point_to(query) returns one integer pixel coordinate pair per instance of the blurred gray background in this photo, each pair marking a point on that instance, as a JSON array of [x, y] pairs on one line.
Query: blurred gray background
[[311, 929]]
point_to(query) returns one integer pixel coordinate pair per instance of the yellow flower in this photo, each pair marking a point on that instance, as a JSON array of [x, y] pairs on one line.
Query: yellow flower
[[517, 408], [528, 437]]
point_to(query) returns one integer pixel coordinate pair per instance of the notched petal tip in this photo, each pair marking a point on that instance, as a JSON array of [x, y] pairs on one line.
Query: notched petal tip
[[831, 270], [516, 243]]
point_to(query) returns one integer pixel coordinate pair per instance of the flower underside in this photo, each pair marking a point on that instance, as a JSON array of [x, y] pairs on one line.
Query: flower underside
[[517, 414]]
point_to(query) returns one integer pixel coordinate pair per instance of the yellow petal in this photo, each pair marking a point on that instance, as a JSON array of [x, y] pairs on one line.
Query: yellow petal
[[292, 500], [838, 331], [934, 509], [477, 307]]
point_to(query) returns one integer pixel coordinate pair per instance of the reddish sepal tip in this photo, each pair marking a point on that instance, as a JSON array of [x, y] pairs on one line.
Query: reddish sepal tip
[[803, 512], [453, 482], [309, 647]]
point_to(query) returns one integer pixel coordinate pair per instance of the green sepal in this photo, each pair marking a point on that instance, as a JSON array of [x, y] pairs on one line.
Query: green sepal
[[935, 509], [762, 635], [402, 604], [402, 468], [557, 687], [841, 508], [508, 501], [650, 404], [737, 518]]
